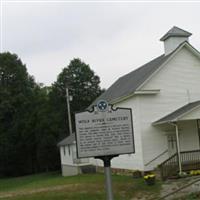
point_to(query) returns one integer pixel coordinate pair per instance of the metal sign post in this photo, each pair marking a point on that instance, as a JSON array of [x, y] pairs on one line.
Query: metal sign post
[[107, 171]]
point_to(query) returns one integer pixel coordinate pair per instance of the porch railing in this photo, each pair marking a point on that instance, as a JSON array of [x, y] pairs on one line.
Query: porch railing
[[190, 160], [169, 167]]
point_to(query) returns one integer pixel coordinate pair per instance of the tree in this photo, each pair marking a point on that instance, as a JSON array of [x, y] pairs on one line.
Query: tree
[[27, 137], [43, 134], [33, 117], [83, 86], [15, 94]]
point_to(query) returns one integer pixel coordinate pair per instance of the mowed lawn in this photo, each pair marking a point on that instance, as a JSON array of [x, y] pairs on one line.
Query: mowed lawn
[[52, 186]]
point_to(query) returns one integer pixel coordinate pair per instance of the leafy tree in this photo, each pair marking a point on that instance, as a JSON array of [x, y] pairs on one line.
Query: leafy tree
[[15, 91], [43, 134], [33, 117], [27, 137], [83, 86]]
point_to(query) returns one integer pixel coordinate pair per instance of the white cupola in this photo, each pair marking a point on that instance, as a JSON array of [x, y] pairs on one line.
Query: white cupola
[[173, 38]]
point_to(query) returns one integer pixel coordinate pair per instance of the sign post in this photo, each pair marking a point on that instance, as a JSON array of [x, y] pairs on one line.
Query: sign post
[[107, 171], [104, 133]]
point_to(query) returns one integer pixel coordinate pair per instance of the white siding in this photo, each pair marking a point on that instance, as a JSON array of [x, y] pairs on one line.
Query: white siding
[[131, 161], [179, 82], [188, 135], [68, 170], [194, 114], [66, 154], [70, 156], [172, 43]]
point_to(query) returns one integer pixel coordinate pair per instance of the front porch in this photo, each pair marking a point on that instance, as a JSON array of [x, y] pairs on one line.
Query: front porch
[[182, 131], [190, 160]]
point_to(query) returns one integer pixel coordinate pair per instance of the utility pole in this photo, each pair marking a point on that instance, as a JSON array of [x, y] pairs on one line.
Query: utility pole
[[68, 111]]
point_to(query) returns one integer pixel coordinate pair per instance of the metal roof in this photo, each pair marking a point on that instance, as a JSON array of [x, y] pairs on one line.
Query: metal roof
[[67, 141], [178, 113], [175, 32], [127, 84]]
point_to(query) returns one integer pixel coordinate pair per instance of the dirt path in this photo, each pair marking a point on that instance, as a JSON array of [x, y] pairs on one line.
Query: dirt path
[[180, 187], [35, 191]]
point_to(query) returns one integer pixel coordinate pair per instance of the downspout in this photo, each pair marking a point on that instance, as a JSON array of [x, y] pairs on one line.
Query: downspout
[[198, 130], [178, 146]]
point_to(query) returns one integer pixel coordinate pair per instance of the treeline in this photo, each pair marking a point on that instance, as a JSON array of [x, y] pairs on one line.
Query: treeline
[[33, 118]]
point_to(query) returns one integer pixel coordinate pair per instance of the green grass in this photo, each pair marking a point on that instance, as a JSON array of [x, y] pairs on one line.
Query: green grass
[[81, 187], [30, 182]]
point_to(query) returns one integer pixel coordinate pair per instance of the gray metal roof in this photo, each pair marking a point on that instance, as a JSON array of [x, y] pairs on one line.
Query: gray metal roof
[[175, 31], [178, 113], [67, 141], [127, 85]]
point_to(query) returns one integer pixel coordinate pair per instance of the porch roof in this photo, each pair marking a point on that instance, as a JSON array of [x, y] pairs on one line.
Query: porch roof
[[179, 113]]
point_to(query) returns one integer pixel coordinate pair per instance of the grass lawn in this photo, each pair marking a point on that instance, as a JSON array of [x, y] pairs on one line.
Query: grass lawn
[[52, 186]]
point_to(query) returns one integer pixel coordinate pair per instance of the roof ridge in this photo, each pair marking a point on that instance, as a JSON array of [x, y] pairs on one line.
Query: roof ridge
[[175, 32], [182, 29]]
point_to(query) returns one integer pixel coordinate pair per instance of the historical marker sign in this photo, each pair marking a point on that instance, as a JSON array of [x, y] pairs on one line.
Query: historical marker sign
[[104, 131]]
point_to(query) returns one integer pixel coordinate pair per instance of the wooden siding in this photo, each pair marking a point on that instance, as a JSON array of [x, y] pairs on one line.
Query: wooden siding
[[172, 43], [66, 159], [179, 84], [188, 135]]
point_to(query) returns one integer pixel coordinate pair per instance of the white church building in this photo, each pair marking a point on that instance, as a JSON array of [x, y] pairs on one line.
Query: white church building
[[164, 96]]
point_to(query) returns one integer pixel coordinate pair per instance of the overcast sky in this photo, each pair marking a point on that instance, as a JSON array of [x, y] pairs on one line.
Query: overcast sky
[[114, 38]]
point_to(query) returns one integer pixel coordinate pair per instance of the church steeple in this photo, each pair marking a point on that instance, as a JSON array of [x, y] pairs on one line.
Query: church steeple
[[173, 38]]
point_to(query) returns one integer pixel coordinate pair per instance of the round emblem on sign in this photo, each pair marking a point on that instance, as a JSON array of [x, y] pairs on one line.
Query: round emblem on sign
[[102, 105]]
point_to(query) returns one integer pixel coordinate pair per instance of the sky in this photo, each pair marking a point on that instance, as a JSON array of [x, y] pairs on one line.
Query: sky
[[113, 37]]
